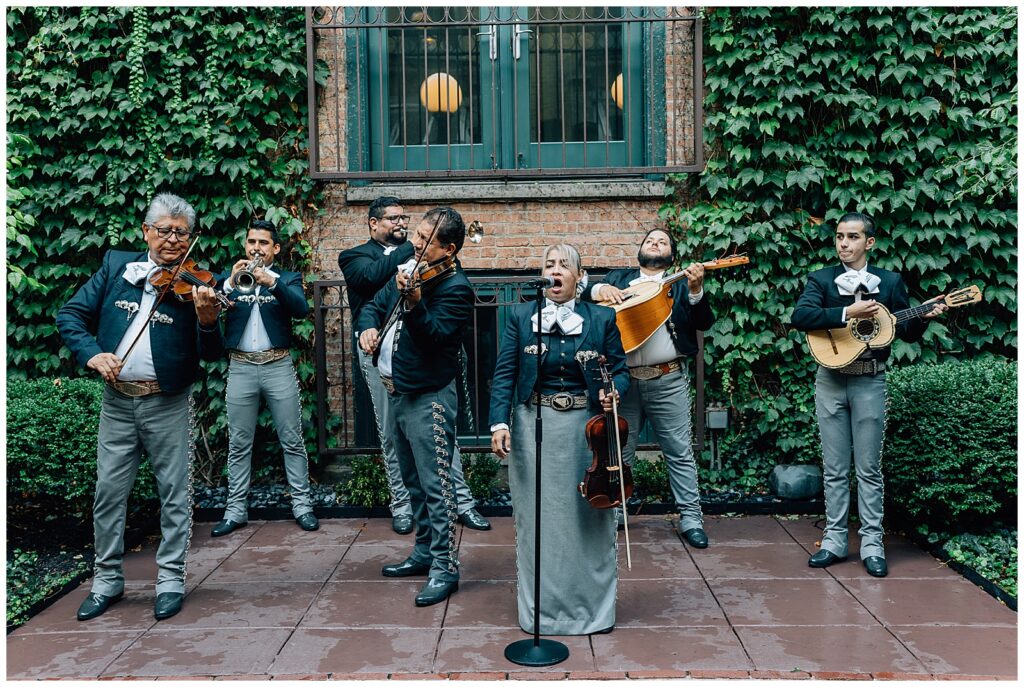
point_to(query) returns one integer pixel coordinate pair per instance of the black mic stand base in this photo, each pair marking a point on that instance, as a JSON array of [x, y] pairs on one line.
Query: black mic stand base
[[536, 652]]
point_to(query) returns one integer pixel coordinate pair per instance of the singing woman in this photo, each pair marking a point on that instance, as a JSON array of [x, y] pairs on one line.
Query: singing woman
[[578, 560]]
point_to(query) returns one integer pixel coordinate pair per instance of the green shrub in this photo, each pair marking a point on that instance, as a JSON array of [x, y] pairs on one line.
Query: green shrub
[[368, 485], [481, 474], [52, 427], [650, 481], [950, 455], [993, 556]]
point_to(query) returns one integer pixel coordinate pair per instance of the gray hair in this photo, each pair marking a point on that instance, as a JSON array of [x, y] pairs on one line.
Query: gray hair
[[572, 256], [170, 205]]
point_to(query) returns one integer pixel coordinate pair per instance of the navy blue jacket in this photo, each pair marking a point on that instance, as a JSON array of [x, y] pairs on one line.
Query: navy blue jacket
[[96, 318], [821, 307], [277, 308], [686, 319], [515, 373], [430, 341], [367, 270]]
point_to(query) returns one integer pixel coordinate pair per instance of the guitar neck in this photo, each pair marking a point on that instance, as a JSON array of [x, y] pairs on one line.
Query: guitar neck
[[916, 311]]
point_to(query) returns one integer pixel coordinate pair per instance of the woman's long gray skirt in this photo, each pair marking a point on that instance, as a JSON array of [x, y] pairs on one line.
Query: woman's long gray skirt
[[578, 561]]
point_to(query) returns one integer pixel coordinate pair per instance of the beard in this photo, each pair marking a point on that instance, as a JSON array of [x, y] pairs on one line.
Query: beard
[[654, 262], [397, 238]]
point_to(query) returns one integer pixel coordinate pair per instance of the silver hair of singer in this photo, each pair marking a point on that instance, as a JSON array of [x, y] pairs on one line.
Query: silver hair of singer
[[244, 280], [170, 205], [572, 257]]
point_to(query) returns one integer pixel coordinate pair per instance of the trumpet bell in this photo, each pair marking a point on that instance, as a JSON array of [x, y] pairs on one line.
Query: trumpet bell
[[475, 231]]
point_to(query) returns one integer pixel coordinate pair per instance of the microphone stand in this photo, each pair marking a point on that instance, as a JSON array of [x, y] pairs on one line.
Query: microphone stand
[[537, 651]]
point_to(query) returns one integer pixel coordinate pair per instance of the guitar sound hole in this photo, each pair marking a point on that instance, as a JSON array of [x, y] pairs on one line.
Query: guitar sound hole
[[865, 330]]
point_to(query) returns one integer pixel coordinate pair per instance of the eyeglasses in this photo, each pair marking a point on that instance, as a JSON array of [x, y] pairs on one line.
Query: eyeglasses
[[165, 232], [395, 219]]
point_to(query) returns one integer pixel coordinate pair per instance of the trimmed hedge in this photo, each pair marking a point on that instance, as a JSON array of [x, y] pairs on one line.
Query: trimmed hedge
[[950, 455], [52, 427]]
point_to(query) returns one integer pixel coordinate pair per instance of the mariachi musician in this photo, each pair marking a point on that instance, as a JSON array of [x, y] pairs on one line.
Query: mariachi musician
[[413, 329], [660, 390], [146, 345], [578, 558]]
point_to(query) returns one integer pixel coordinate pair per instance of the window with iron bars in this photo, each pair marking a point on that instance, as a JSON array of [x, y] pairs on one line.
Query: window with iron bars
[[503, 92]]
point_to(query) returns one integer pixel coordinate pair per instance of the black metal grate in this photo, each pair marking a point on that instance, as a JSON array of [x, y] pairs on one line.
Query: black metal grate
[[342, 394]]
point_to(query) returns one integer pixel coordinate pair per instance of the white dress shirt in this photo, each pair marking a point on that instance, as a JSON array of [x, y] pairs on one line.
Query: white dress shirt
[[254, 337], [139, 366]]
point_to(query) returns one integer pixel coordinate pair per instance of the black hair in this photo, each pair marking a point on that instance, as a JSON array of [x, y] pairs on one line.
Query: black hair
[[864, 219], [671, 241], [264, 225], [451, 228], [377, 207]]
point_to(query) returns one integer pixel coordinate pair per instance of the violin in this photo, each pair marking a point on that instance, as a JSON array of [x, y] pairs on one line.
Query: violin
[[187, 276], [608, 481], [429, 272]]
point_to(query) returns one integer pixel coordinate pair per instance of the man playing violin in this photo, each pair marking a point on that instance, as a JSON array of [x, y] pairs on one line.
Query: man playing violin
[[147, 403], [660, 390], [850, 401], [258, 335], [413, 328], [367, 268]]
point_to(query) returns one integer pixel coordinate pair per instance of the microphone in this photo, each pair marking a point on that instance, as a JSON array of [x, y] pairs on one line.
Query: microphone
[[540, 282]]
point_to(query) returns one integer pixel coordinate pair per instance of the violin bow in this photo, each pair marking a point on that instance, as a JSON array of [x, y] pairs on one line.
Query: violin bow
[[618, 452], [159, 299]]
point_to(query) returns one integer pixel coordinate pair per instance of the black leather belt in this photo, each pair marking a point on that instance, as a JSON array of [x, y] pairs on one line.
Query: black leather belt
[[859, 368]]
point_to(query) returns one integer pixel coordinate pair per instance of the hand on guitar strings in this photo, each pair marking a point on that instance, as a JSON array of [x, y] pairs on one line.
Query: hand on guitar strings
[[939, 308], [862, 309], [695, 277]]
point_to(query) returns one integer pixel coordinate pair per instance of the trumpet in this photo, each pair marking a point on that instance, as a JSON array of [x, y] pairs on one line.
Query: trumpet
[[244, 280]]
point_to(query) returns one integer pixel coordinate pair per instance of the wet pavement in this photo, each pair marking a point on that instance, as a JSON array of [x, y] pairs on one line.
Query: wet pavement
[[270, 601]]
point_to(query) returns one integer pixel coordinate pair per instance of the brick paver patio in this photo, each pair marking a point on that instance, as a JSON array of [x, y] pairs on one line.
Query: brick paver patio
[[273, 602]]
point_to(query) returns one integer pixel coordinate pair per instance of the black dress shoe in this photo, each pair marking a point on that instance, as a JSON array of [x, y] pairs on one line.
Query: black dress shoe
[[308, 522], [435, 591], [407, 568], [474, 520], [696, 538], [402, 523], [823, 559], [876, 566], [167, 604], [605, 631], [96, 604], [226, 527]]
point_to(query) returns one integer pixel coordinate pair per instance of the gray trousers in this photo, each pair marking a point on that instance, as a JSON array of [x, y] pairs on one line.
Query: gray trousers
[[423, 427], [400, 504], [277, 383], [851, 415], [160, 425], [665, 403]]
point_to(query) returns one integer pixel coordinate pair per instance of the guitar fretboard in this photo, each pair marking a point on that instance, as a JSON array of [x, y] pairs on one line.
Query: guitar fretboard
[[916, 311]]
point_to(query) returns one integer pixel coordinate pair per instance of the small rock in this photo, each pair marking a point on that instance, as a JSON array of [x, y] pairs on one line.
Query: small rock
[[796, 482]]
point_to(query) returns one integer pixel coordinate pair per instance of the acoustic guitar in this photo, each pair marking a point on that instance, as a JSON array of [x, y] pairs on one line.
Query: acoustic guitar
[[835, 348], [648, 305]]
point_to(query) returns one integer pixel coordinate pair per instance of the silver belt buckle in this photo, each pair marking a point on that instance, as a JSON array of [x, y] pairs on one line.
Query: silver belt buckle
[[563, 400], [644, 372]]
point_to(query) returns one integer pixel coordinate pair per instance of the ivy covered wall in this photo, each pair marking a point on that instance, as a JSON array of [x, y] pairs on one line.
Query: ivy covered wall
[[105, 107], [909, 114]]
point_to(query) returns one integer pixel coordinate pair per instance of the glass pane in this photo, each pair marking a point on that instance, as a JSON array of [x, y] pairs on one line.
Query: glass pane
[[433, 79], [575, 79]]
